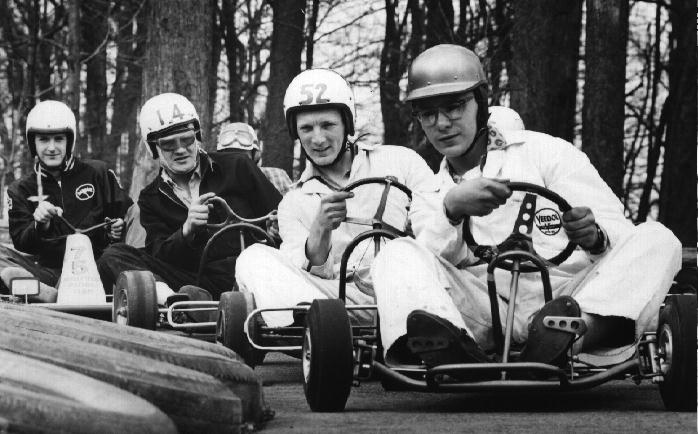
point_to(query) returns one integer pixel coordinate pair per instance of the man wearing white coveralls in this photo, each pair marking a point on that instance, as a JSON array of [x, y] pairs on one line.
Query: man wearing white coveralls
[[617, 277], [320, 112]]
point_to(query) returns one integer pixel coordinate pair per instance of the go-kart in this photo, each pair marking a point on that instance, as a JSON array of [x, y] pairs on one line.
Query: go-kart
[[80, 290], [335, 357], [240, 324], [135, 293]]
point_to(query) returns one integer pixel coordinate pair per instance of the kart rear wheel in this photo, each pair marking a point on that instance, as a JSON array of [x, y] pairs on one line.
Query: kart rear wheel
[[327, 356], [233, 309], [135, 300], [676, 342]]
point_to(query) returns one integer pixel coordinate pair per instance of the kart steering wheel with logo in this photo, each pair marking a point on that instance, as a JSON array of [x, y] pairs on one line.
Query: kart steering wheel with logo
[[547, 220]]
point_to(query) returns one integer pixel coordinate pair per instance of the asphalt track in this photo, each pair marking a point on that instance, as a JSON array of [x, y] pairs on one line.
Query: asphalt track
[[615, 407]]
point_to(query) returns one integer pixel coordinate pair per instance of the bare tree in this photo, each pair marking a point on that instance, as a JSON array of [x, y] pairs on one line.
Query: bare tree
[[285, 63], [677, 208], [543, 77], [94, 38], [603, 114]]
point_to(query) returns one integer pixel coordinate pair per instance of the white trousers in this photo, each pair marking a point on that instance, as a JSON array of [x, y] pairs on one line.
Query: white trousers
[[629, 281], [276, 282]]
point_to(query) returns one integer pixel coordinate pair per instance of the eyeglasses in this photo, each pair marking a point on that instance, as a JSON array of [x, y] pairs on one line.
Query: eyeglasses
[[453, 111], [171, 145], [244, 138]]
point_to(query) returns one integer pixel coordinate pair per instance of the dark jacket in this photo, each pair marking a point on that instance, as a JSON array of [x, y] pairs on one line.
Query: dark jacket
[[233, 177], [88, 193]]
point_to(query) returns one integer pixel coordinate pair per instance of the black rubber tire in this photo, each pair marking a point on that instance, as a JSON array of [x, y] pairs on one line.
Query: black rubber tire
[[190, 398], [135, 300], [37, 396], [233, 309], [204, 357], [327, 356], [676, 336]]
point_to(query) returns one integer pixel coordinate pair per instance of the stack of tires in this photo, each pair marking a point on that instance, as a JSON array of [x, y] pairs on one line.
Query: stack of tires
[[64, 373]]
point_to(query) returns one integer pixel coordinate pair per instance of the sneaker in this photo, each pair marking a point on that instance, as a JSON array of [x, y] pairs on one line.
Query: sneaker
[[438, 342], [547, 345]]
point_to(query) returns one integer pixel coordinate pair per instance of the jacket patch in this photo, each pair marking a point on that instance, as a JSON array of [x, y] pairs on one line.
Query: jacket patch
[[548, 221], [85, 192]]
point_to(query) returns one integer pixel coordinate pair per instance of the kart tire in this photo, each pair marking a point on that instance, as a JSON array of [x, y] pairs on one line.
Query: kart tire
[[233, 309], [135, 300], [327, 356], [193, 400], [199, 356], [676, 340], [39, 397]]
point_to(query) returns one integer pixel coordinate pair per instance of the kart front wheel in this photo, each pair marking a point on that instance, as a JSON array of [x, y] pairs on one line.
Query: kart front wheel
[[135, 300], [327, 356], [233, 309], [676, 342]]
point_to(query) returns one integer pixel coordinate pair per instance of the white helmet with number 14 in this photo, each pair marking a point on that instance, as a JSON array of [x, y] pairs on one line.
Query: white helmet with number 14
[[164, 115]]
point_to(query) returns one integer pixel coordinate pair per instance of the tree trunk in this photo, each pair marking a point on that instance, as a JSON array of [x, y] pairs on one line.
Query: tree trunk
[[678, 188], [128, 86], [178, 59], [236, 63], [93, 23], [74, 65], [439, 28], [603, 114], [543, 77], [395, 113], [285, 63]]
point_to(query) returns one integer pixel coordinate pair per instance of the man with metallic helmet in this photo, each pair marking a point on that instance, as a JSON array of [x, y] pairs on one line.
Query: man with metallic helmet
[[615, 280], [241, 137], [83, 192], [320, 112], [175, 207]]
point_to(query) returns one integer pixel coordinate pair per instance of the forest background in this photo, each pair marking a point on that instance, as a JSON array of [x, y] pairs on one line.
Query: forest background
[[615, 77]]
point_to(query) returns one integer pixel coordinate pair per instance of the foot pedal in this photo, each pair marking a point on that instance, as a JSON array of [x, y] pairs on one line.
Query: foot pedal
[[569, 324], [422, 345]]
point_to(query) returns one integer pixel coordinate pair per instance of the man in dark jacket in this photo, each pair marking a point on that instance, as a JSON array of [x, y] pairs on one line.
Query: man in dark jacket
[[176, 206], [83, 192]]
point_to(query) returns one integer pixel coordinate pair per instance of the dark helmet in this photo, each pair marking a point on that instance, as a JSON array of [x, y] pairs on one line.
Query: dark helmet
[[447, 69]]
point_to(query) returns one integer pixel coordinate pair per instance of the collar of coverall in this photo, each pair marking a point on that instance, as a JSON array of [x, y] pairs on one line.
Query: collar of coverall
[[495, 142], [311, 173]]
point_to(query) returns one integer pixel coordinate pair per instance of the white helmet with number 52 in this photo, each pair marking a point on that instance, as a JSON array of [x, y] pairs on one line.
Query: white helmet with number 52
[[319, 88], [166, 114]]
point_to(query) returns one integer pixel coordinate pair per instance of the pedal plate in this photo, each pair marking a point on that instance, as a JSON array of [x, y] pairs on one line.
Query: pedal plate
[[569, 324]]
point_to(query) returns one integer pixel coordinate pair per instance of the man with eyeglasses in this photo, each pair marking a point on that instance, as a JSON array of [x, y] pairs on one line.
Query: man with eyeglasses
[[438, 302], [175, 207], [241, 137]]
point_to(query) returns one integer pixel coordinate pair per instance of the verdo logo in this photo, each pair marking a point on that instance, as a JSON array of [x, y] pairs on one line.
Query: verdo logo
[[548, 221]]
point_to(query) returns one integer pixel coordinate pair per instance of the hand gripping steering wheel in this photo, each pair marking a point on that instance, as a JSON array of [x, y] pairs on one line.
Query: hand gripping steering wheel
[[520, 238]]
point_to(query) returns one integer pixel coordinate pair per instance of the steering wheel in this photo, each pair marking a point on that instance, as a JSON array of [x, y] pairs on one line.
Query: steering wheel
[[107, 223], [233, 222], [377, 221], [520, 238]]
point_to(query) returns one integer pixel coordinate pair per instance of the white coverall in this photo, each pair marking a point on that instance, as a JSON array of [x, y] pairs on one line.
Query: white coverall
[[283, 278], [434, 273]]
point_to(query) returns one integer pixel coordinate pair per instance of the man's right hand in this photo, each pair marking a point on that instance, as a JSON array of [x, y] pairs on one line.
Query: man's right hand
[[197, 216], [332, 212], [44, 212], [476, 197]]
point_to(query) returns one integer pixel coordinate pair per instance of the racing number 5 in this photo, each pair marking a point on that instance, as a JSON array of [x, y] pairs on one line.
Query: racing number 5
[[306, 90]]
